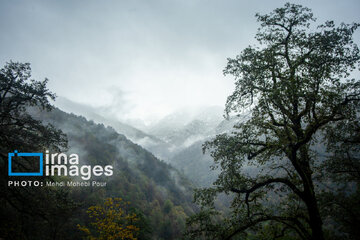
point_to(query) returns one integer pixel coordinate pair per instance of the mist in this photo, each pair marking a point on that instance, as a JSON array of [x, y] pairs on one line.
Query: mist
[[139, 60]]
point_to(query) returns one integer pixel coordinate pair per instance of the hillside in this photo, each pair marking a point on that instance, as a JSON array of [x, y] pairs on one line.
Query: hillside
[[151, 143], [149, 184], [177, 138]]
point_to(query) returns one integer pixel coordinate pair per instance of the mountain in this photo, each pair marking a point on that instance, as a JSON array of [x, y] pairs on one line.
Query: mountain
[[185, 127], [165, 138], [191, 160], [155, 145], [177, 138], [149, 184], [195, 165], [176, 120]]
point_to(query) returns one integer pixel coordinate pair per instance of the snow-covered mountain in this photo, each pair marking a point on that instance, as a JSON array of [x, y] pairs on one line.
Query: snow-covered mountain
[[185, 127]]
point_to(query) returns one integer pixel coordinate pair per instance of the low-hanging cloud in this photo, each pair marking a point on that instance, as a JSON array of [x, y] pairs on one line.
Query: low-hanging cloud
[[163, 55]]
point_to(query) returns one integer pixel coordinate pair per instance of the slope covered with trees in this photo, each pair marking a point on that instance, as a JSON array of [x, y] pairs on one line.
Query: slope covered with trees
[[159, 196]]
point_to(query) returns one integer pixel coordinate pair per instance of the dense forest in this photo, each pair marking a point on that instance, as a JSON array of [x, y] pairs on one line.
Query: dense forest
[[288, 168], [158, 194]]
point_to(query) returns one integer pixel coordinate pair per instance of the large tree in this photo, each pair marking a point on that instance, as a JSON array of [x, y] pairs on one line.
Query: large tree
[[28, 212], [297, 83]]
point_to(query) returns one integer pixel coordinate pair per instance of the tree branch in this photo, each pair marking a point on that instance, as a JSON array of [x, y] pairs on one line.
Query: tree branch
[[267, 182]]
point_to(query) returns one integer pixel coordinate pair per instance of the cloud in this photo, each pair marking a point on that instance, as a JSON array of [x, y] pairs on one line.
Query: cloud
[[163, 55]]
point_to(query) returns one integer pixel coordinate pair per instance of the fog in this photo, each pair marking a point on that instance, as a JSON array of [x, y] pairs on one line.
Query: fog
[[139, 59]]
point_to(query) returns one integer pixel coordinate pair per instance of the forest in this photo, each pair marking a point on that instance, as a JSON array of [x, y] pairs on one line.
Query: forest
[[288, 168], [158, 194]]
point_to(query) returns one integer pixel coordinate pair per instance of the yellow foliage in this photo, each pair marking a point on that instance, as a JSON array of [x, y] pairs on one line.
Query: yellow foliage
[[111, 221]]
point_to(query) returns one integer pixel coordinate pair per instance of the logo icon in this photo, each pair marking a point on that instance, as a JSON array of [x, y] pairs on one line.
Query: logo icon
[[15, 153]]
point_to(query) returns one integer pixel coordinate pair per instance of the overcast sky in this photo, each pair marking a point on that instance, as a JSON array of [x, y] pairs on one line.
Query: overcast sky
[[142, 58]]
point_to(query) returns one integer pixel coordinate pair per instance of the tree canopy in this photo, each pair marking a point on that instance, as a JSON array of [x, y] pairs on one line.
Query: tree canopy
[[298, 85], [111, 221], [19, 130]]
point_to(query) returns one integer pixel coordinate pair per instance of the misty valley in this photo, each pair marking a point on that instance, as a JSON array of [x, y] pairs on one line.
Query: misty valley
[[280, 160]]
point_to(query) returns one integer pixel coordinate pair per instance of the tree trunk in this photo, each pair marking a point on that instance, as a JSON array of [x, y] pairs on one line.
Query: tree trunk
[[305, 172], [313, 209], [315, 219]]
